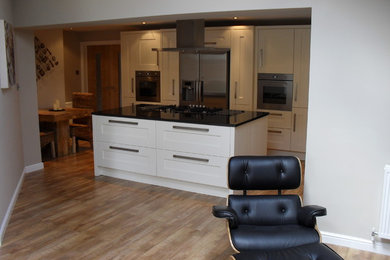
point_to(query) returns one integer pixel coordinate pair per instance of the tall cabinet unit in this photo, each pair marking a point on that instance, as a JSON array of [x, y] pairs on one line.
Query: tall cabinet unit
[[169, 69], [286, 50], [241, 68], [137, 54]]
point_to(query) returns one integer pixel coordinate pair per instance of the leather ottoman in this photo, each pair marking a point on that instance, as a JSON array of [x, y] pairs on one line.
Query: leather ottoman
[[316, 251]]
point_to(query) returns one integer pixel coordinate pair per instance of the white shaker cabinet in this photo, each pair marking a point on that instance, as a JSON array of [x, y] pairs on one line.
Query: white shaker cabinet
[[169, 69], [241, 68], [298, 130], [301, 67], [217, 37], [137, 54], [275, 50]]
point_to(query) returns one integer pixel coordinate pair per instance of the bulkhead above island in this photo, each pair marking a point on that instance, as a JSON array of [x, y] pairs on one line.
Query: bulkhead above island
[[187, 150]]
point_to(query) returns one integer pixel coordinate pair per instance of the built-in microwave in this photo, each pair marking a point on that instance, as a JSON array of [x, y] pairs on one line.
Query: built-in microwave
[[147, 86], [274, 91]]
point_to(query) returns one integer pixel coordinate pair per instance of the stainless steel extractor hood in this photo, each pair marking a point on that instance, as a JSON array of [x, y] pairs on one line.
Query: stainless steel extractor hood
[[190, 38]]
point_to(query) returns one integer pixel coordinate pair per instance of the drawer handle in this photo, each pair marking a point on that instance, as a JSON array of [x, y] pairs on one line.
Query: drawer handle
[[190, 158], [124, 149], [123, 122], [191, 128], [273, 114], [274, 131]]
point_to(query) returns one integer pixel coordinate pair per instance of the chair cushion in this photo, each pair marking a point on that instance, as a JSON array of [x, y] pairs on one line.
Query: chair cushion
[[314, 251], [264, 172], [250, 237], [269, 210]]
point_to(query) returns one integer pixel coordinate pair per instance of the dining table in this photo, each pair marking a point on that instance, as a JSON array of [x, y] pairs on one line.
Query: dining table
[[61, 118]]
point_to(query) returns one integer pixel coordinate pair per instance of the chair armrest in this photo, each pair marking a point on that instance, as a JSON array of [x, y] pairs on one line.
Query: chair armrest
[[228, 213], [307, 215]]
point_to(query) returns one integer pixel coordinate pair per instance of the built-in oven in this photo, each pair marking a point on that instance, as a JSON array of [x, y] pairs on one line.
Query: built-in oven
[[147, 86], [274, 91]]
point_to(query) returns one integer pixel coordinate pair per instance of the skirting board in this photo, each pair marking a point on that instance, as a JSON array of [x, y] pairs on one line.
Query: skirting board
[[4, 223], [375, 246]]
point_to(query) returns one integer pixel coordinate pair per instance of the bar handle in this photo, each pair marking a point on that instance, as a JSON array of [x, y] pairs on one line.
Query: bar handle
[[295, 122], [275, 114], [124, 149], [173, 87], [132, 85], [190, 158], [296, 92], [191, 128], [235, 89], [274, 131], [158, 58], [260, 61], [122, 122]]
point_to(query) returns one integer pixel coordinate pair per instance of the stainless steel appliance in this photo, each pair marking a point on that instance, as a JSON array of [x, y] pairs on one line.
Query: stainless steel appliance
[[204, 79], [274, 91], [147, 86]]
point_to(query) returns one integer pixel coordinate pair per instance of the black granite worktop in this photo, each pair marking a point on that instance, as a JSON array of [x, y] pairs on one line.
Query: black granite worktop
[[224, 117]]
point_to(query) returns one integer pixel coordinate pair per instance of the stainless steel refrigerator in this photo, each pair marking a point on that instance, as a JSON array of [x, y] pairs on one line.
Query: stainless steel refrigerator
[[204, 79]]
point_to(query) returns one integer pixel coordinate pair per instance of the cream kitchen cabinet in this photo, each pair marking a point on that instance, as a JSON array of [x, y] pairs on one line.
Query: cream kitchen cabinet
[[217, 37], [241, 68], [169, 69], [301, 67], [275, 50], [298, 131], [137, 54]]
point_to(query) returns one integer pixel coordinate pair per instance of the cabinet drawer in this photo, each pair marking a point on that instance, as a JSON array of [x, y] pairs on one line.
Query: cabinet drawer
[[278, 119], [279, 138], [204, 169], [122, 130], [125, 157], [194, 138]]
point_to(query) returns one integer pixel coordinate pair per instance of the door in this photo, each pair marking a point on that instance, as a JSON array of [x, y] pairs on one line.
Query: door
[[104, 75], [213, 75]]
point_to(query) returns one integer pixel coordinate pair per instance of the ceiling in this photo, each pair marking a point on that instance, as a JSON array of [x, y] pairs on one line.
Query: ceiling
[[293, 16]]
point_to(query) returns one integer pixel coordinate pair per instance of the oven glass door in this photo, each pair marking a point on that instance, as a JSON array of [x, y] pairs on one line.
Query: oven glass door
[[148, 89], [275, 95]]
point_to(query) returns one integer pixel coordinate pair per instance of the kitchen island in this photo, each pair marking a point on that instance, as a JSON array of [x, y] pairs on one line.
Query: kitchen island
[[175, 148]]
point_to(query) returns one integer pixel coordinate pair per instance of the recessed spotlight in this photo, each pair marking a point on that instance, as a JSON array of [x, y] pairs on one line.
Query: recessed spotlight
[[235, 17], [143, 22]]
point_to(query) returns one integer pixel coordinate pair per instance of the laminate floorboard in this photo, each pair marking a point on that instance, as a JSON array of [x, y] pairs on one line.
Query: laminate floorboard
[[65, 212]]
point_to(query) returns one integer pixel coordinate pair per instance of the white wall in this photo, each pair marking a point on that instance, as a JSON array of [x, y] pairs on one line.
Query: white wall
[[348, 141], [348, 129], [11, 150], [52, 85]]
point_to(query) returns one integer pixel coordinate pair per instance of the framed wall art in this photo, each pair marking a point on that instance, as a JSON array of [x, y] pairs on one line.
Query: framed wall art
[[7, 55]]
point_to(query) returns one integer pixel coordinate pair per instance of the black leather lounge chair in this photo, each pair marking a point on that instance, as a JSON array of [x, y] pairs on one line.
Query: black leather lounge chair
[[264, 224]]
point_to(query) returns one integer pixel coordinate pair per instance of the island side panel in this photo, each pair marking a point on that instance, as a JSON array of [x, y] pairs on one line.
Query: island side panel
[[251, 138]]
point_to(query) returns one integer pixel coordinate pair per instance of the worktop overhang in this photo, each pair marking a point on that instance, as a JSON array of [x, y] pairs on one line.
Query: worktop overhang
[[230, 118]]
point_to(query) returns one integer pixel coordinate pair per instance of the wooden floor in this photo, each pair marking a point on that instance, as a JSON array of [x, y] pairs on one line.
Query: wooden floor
[[64, 212]]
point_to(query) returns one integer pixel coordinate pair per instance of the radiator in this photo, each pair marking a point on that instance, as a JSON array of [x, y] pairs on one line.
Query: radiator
[[384, 227]]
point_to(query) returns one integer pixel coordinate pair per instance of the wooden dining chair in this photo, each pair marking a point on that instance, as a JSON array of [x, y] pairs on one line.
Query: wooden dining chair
[[81, 128], [48, 138]]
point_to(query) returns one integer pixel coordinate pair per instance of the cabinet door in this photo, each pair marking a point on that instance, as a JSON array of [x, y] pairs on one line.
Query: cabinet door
[[298, 131], [141, 55], [169, 70], [121, 130], [127, 74], [193, 138], [301, 67], [204, 169], [241, 69], [218, 38], [125, 157], [275, 50], [279, 138]]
